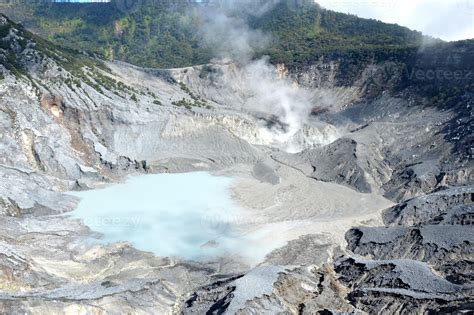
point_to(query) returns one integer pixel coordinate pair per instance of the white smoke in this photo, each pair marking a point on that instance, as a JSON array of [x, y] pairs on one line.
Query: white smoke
[[230, 37], [284, 105]]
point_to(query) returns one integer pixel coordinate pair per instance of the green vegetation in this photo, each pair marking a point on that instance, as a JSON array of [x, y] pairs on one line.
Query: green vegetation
[[82, 67], [443, 74], [154, 35], [4, 30], [304, 33], [183, 102], [207, 71], [196, 100], [158, 35], [69, 59]]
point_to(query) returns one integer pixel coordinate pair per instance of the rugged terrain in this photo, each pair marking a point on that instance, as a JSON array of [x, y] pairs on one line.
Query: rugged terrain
[[368, 203]]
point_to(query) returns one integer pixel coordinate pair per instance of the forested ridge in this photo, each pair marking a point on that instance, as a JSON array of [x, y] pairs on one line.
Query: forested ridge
[[157, 34]]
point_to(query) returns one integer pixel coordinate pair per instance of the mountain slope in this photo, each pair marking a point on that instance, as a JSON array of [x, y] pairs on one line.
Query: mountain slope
[[156, 34]]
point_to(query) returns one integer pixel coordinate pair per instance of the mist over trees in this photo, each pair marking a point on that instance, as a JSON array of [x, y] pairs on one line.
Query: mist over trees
[[169, 33]]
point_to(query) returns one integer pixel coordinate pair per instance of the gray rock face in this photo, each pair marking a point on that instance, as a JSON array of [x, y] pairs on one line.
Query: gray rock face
[[440, 246], [428, 208], [398, 286], [297, 291], [306, 250], [435, 229], [338, 162]]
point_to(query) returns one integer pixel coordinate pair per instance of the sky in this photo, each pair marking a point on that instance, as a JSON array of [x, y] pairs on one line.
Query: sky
[[445, 19]]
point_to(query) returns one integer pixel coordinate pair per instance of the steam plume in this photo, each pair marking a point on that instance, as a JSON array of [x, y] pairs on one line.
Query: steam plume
[[225, 30]]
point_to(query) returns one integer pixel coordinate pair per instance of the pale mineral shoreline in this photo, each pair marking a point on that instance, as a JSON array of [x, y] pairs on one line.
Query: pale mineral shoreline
[[274, 214]]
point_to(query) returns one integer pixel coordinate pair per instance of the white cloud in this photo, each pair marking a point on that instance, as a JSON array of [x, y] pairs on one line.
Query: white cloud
[[445, 19]]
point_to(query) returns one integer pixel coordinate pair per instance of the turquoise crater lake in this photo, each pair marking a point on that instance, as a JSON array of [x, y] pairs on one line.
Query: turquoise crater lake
[[185, 215]]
